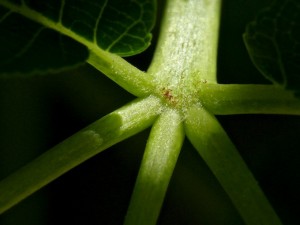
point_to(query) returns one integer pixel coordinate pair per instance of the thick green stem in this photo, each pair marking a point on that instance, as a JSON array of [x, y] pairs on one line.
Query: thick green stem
[[158, 163], [97, 137], [215, 147], [248, 99], [187, 47]]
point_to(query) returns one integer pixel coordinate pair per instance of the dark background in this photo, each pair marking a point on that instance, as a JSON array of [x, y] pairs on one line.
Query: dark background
[[39, 112]]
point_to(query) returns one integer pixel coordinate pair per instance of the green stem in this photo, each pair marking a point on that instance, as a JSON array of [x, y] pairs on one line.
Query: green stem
[[221, 99], [215, 147], [97, 137], [187, 47], [158, 163]]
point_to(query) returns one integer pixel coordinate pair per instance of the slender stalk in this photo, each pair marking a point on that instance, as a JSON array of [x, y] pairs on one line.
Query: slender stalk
[[158, 163], [97, 137], [215, 147], [121, 72], [222, 99]]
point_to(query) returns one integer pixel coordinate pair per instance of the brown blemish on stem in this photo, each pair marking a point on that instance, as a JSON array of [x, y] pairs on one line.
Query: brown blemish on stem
[[168, 95]]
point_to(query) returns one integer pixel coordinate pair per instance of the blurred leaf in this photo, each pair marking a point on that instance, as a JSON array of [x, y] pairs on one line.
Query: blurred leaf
[[273, 43], [48, 36], [28, 47]]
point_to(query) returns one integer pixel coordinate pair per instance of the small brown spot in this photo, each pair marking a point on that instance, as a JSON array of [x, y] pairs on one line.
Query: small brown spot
[[167, 93]]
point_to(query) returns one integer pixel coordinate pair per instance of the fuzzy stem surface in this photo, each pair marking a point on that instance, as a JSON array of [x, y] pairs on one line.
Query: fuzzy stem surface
[[157, 166]]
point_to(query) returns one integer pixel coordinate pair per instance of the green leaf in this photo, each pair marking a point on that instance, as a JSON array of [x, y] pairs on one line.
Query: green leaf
[[28, 47], [35, 32], [273, 43]]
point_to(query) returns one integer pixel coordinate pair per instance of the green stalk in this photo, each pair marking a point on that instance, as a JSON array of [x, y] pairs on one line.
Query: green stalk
[[157, 166], [121, 72], [215, 147], [97, 137], [227, 99]]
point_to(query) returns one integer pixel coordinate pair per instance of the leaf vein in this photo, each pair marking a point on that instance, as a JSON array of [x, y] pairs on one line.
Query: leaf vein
[[6, 15], [98, 21], [61, 11]]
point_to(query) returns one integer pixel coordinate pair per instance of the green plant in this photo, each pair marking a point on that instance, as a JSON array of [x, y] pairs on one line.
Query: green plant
[[178, 96]]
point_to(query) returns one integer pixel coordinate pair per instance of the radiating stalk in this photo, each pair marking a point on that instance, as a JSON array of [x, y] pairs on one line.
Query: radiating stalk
[[97, 137], [157, 166], [226, 99], [215, 147], [121, 72]]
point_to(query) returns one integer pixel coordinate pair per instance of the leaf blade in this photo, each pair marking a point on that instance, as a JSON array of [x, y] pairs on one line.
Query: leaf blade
[[273, 43], [29, 54], [94, 24], [103, 22]]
